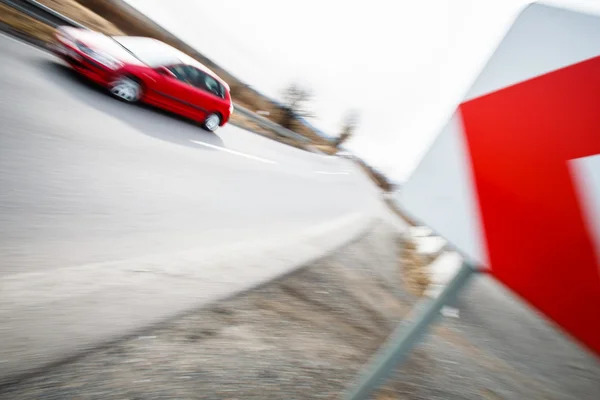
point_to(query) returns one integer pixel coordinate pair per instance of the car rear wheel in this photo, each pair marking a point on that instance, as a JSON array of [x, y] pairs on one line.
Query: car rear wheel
[[126, 89], [211, 122]]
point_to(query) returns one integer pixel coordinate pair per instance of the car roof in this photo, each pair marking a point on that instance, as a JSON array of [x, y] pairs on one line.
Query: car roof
[[185, 59], [176, 55]]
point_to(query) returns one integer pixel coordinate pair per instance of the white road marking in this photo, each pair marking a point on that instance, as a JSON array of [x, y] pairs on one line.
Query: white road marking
[[332, 173], [237, 153], [256, 158]]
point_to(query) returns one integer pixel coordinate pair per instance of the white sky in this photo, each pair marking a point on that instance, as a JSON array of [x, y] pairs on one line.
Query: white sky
[[405, 64]]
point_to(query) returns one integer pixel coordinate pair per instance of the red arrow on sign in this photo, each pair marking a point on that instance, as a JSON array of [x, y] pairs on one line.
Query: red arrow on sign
[[521, 139]]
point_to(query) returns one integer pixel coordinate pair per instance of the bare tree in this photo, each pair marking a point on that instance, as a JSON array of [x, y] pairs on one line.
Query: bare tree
[[296, 99], [349, 125]]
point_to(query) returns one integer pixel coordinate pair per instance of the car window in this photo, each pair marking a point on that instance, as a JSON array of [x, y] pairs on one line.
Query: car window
[[212, 85], [181, 73], [200, 79], [203, 81], [194, 75]]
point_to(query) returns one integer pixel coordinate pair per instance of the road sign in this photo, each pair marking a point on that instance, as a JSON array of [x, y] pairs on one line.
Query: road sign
[[513, 180]]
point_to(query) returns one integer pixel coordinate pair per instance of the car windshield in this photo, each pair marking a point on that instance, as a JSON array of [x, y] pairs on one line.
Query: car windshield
[[149, 51]]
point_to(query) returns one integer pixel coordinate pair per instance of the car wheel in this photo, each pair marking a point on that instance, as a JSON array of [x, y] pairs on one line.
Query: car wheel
[[211, 122], [126, 89]]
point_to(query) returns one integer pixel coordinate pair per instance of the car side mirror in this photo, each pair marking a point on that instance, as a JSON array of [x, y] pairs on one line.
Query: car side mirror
[[165, 71]]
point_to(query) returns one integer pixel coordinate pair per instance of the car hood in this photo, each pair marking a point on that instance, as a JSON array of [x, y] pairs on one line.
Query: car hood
[[101, 43]]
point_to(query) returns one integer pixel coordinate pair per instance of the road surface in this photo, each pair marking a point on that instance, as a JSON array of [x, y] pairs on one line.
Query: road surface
[[116, 216], [85, 178]]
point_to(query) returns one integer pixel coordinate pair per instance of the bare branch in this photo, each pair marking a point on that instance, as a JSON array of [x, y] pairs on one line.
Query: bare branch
[[296, 98], [349, 125]]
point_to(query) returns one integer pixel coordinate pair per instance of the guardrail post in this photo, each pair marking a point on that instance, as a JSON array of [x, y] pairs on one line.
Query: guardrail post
[[406, 336]]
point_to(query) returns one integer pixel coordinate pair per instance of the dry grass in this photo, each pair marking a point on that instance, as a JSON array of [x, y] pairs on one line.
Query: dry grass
[[414, 265], [38, 30], [400, 213], [414, 268], [79, 13], [325, 148], [25, 24], [386, 395]]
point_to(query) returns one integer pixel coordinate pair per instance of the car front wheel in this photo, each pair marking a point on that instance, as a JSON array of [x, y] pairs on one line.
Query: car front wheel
[[211, 122], [126, 89]]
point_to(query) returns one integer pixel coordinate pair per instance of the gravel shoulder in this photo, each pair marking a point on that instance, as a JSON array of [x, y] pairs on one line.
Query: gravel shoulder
[[306, 336]]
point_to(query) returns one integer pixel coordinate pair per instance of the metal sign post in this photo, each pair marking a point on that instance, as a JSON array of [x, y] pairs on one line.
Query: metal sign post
[[406, 336]]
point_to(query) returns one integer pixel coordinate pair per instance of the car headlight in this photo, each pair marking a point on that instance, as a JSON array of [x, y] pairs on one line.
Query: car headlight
[[104, 59], [108, 61]]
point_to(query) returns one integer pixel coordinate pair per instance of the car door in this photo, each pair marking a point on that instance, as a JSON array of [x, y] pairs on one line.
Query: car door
[[208, 93], [174, 89]]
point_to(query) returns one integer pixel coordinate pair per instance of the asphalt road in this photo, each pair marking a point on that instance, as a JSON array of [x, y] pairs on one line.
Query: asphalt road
[[85, 178]]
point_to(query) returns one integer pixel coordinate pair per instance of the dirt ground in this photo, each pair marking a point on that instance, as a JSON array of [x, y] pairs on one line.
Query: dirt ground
[[304, 336], [307, 335]]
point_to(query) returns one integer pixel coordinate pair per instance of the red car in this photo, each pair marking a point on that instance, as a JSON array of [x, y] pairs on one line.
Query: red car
[[144, 69]]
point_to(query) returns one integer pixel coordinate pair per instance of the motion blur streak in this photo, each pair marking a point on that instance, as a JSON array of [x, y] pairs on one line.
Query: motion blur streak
[[85, 178]]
